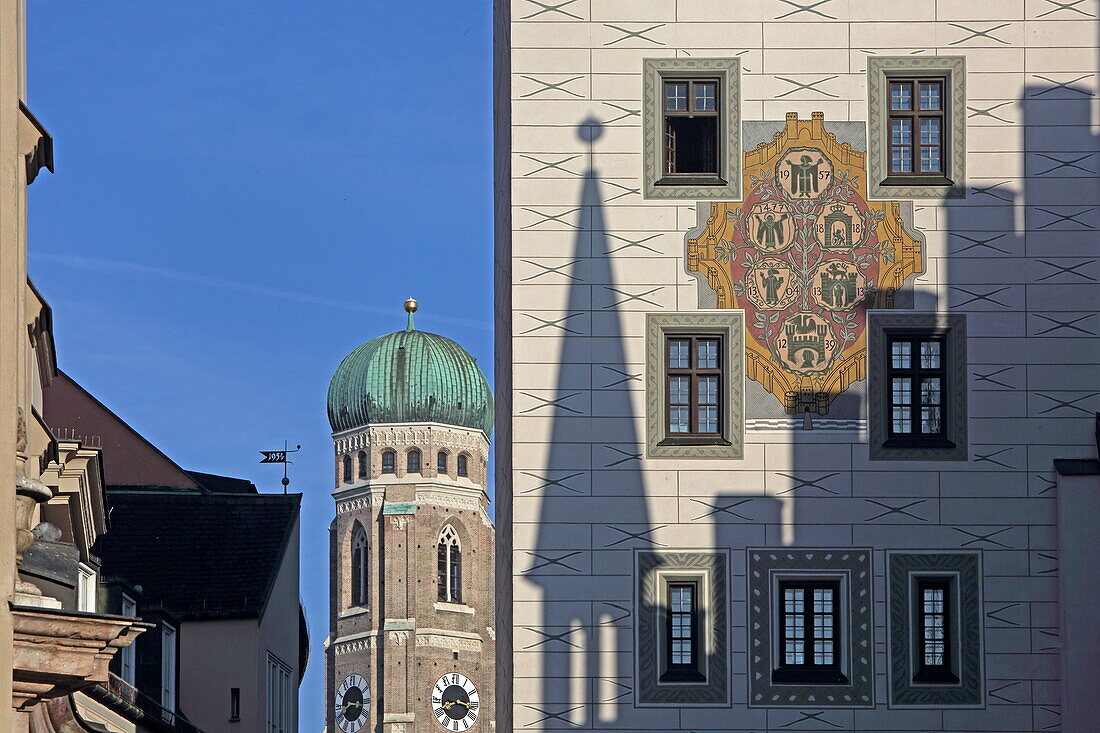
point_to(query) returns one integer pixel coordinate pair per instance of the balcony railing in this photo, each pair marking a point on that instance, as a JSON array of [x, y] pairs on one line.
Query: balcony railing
[[120, 693]]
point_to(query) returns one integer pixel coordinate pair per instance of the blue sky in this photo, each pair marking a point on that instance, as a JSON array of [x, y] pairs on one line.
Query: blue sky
[[244, 193]]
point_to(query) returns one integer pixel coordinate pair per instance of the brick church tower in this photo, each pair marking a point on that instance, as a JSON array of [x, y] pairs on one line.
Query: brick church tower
[[411, 645]]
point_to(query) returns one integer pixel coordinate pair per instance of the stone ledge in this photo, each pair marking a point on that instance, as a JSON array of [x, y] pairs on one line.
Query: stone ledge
[[57, 652]]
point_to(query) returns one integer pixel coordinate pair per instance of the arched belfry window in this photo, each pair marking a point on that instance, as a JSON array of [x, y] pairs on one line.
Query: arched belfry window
[[347, 469], [364, 469], [449, 561], [359, 566], [441, 463], [388, 461], [463, 465], [412, 461]]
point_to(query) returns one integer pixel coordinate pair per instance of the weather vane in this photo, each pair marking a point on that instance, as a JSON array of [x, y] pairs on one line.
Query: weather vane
[[280, 456]]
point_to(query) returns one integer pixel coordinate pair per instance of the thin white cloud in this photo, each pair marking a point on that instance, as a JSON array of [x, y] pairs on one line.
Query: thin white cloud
[[100, 265]]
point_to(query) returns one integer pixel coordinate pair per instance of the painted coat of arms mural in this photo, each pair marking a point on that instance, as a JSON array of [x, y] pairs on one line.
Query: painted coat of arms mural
[[805, 255]]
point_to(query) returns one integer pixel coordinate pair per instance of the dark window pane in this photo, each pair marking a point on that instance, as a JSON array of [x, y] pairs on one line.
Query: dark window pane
[[441, 462], [930, 131], [679, 419], [708, 419], [682, 625], [705, 96], [679, 391], [901, 96], [388, 461], [441, 570], [930, 95], [929, 354], [708, 354], [694, 144], [456, 574], [708, 390], [679, 354], [412, 462], [899, 354], [676, 96], [934, 630]]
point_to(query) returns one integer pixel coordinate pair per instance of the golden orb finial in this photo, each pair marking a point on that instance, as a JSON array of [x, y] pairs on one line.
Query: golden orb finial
[[411, 305]]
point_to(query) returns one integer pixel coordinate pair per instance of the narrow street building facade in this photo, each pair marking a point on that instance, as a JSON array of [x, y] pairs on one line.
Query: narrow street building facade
[[797, 346]]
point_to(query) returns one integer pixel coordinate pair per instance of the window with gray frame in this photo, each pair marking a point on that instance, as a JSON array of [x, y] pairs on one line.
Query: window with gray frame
[[810, 627], [691, 128], [917, 396], [935, 603], [916, 126], [681, 637], [695, 384]]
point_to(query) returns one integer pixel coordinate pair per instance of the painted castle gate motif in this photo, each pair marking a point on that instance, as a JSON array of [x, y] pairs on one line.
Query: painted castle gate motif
[[805, 255]]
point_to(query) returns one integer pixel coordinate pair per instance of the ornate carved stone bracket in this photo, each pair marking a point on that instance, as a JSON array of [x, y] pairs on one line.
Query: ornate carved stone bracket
[[58, 652]]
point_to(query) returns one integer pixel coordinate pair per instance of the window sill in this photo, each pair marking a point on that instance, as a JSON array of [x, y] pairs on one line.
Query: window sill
[[454, 607], [918, 181], [700, 180], [683, 675], [936, 677], [354, 611], [918, 443], [694, 440], [808, 677]]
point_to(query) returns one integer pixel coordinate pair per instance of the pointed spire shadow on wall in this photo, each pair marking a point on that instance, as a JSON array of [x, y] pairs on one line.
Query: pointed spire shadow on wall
[[591, 501]]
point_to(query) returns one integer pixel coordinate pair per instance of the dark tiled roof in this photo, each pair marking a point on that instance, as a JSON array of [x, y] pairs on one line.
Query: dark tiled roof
[[222, 484], [200, 555]]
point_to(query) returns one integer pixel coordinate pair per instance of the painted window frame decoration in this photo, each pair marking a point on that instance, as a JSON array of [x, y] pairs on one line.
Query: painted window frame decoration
[[952, 69], [851, 569], [951, 328], [708, 684], [727, 73], [728, 325], [962, 572]]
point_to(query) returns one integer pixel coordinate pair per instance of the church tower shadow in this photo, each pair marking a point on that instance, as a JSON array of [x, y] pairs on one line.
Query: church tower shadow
[[593, 509]]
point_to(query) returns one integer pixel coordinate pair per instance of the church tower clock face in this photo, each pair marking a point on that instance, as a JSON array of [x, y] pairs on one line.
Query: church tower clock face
[[352, 704], [455, 702]]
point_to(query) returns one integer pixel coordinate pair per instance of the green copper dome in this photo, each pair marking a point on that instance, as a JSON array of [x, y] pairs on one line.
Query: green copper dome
[[409, 376]]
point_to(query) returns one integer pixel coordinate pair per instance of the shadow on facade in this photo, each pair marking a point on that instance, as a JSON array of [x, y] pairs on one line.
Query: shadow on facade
[[586, 600], [812, 491]]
